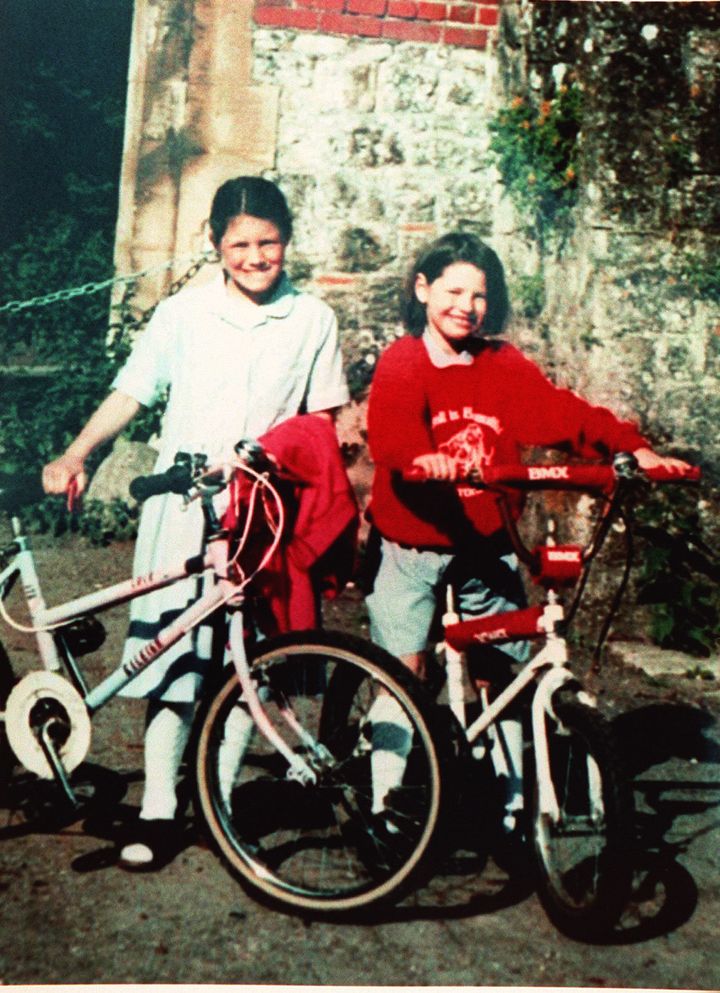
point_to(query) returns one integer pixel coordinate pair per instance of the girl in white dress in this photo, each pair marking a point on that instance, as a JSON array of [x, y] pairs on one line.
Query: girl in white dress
[[238, 356]]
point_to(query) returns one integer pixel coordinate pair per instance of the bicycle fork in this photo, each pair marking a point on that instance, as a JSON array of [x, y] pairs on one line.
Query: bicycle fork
[[299, 768], [553, 659]]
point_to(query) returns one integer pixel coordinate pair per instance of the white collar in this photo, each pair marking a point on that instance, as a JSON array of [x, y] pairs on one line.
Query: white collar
[[441, 359], [243, 313]]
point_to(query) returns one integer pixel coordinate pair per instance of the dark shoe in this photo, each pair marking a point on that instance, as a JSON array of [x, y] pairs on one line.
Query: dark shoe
[[511, 853], [150, 845]]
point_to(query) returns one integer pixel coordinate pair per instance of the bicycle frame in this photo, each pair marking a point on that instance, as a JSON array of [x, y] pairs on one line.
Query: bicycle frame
[[552, 658], [46, 619], [227, 592]]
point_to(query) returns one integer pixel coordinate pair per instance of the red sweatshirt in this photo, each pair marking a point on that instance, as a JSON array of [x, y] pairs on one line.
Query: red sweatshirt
[[481, 414]]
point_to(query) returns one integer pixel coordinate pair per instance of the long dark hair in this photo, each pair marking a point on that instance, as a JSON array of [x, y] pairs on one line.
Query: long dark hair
[[458, 246], [249, 195]]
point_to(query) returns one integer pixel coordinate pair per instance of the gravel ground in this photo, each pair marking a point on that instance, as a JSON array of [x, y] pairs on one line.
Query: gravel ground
[[70, 916]]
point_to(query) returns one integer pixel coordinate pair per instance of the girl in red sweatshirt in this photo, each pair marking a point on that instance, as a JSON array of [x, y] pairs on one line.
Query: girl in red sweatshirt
[[449, 399]]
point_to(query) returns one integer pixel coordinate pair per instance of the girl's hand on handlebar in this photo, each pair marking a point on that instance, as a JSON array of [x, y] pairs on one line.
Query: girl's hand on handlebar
[[648, 460], [59, 475], [437, 465]]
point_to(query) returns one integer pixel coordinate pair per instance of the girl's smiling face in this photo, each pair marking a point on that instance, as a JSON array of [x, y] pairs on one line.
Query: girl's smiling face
[[252, 253], [455, 304]]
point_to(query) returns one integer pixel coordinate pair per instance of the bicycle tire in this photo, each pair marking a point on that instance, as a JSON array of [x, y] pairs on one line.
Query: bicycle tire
[[583, 860], [7, 756], [315, 848]]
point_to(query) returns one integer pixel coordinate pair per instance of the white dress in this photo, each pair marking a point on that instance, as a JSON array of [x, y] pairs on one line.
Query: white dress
[[234, 370]]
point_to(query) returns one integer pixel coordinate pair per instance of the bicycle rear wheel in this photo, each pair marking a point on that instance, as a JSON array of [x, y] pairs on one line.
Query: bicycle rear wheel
[[318, 847], [583, 858]]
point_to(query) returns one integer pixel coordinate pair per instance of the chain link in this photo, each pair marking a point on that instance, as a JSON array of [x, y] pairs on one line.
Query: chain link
[[15, 306], [141, 320]]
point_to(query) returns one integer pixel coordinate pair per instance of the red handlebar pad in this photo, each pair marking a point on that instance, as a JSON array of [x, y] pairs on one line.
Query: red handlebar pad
[[595, 477], [512, 625], [585, 477]]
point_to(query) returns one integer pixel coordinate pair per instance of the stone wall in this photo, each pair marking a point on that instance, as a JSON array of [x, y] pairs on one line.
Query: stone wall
[[377, 129], [380, 146], [633, 315]]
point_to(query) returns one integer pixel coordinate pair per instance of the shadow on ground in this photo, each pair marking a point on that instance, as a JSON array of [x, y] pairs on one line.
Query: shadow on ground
[[669, 750]]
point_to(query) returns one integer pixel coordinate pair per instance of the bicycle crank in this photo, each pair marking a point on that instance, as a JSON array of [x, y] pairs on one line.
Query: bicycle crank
[[47, 725]]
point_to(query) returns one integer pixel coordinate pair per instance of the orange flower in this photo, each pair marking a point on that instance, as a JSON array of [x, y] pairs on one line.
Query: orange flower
[[674, 138], [516, 102], [545, 108], [695, 90], [569, 174], [525, 124]]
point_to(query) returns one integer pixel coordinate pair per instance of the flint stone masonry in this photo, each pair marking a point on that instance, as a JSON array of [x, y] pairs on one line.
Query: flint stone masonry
[[377, 138]]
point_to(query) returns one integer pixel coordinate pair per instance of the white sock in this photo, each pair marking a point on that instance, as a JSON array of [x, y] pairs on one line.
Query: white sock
[[391, 741], [507, 753], [166, 735], [239, 729]]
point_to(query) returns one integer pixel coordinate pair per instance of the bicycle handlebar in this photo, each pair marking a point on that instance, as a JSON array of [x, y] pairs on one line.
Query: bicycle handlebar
[[176, 479], [190, 471], [600, 478]]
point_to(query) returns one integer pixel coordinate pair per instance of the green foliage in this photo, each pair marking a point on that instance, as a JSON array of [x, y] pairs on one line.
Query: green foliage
[[528, 295], [361, 350], [701, 275], [99, 522], [678, 573], [537, 154], [42, 413]]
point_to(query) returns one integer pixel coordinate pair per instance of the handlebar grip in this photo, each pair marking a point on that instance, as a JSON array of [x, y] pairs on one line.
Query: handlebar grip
[[660, 474], [176, 479]]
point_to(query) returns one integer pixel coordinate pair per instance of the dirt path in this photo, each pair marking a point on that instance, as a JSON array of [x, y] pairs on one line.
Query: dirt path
[[70, 916]]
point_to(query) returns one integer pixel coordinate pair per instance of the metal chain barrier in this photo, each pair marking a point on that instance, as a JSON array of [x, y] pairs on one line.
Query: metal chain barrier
[[16, 306], [134, 324]]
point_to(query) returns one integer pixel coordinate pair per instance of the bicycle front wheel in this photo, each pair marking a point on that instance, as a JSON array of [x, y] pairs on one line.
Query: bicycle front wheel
[[361, 830], [583, 854]]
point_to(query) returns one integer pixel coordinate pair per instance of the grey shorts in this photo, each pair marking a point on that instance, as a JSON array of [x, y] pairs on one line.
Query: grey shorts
[[410, 582]]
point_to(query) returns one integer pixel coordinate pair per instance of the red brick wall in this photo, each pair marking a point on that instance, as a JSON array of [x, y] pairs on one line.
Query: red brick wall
[[465, 22]]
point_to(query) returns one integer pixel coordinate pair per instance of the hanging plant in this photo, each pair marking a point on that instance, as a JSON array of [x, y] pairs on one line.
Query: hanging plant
[[537, 155]]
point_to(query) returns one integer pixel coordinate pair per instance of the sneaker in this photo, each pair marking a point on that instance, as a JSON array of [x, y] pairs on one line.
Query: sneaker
[[151, 845]]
